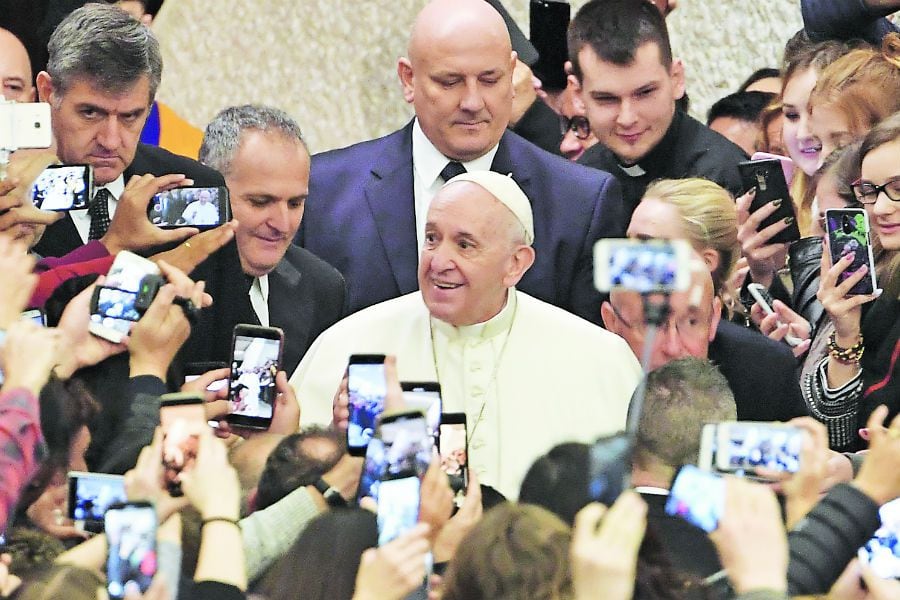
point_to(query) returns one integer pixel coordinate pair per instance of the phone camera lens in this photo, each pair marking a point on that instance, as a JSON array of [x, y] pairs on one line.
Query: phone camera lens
[[37, 124]]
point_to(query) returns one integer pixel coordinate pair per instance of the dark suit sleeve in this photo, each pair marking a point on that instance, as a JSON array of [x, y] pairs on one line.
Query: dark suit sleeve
[[136, 431], [607, 221], [844, 20]]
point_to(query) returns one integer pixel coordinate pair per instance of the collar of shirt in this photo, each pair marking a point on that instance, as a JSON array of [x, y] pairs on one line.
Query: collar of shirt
[[496, 325], [428, 162], [82, 220], [661, 156]]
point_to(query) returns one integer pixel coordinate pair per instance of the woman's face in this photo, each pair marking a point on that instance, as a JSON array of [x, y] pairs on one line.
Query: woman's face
[[830, 127], [826, 197], [879, 166], [802, 146]]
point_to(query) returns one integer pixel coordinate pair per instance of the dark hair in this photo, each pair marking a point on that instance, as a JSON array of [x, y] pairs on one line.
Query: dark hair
[[813, 55], [325, 558], [744, 106], [295, 462], [615, 29], [759, 75]]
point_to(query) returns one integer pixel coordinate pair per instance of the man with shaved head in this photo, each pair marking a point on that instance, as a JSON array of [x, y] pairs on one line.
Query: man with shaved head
[[527, 374], [367, 203], [15, 69]]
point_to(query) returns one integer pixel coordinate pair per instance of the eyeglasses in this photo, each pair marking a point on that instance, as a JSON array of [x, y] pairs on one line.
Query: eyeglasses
[[686, 327], [578, 125], [867, 192]]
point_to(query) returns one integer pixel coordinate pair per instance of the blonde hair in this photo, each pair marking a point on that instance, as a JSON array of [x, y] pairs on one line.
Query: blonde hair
[[708, 218]]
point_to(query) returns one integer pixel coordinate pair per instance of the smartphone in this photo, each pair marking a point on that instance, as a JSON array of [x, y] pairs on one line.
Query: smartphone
[[609, 468], [182, 417], [882, 552], [402, 444], [745, 446], [398, 506], [425, 396], [765, 301], [848, 233], [91, 495], [25, 125], [131, 284], [767, 177], [787, 165], [63, 187], [698, 497], [707, 456], [453, 448], [35, 315], [131, 535], [548, 24], [366, 389], [255, 361], [642, 266], [201, 207]]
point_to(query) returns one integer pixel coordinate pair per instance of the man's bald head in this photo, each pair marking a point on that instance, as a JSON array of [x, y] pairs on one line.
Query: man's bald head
[[15, 69], [692, 324], [458, 76]]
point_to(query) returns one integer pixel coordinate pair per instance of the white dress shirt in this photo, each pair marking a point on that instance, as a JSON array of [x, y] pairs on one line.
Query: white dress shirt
[[259, 299]]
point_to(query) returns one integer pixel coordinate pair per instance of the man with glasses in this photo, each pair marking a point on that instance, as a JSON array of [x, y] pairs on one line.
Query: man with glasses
[[574, 126], [764, 386]]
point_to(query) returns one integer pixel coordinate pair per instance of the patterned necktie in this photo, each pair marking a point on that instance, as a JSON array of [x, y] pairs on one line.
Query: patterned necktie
[[99, 212], [452, 169]]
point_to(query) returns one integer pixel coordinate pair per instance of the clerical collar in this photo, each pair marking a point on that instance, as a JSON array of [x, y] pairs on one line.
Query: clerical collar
[[660, 157], [496, 325]]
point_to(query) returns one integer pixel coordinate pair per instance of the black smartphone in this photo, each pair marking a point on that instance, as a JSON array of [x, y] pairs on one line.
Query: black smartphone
[[91, 495], [255, 361], [366, 390], [398, 506], [848, 233], [131, 536], [548, 24], [63, 187], [425, 397], [453, 447], [182, 417], [767, 176], [609, 468], [201, 207], [698, 497]]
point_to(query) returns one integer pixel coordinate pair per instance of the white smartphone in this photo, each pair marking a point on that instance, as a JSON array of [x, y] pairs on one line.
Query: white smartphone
[[746, 446], [25, 125], [882, 552], [642, 266], [765, 301], [125, 276]]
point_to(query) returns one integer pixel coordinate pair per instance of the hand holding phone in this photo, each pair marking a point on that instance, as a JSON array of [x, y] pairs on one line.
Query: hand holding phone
[[765, 301], [183, 419], [767, 178], [849, 234], [129, 289], [200, 207], [366, 391]]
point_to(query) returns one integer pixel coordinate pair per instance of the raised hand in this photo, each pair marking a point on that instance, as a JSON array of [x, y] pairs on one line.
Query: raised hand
[[763, 257]]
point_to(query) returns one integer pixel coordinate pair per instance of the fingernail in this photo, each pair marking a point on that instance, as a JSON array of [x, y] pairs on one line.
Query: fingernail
[[776, 203], [788, 220]]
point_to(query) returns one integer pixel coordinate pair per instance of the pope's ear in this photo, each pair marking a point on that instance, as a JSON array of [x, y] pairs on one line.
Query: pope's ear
[[405, 73]]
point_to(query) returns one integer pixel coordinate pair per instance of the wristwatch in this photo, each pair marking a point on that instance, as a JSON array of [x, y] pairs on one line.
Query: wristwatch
[[332, 497]]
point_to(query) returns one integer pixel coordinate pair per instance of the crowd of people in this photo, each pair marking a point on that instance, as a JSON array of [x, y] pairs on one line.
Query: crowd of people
[[461, 249]]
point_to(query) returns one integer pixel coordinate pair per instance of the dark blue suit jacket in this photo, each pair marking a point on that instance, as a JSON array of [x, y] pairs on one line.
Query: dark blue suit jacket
[[360, 217]]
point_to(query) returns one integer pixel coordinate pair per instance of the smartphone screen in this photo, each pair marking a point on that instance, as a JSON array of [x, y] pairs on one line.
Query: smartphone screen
[[202, 207], [91, 494], [882, 552], [398, 507], [425, 397], [641, 266], [131, 534], [366, 387], [697, 497], [746, 446], [454, 450], [62, 187], [848, 233], [113, 306], [609, 468], [767, 177], [255, 360], [183, 418]]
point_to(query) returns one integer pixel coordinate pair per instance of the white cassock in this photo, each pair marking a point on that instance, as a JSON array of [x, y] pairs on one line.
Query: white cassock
[[531, 377]]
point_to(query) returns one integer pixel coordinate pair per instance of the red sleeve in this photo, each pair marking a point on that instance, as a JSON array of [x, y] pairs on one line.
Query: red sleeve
[[48, 281], [21, 442]]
